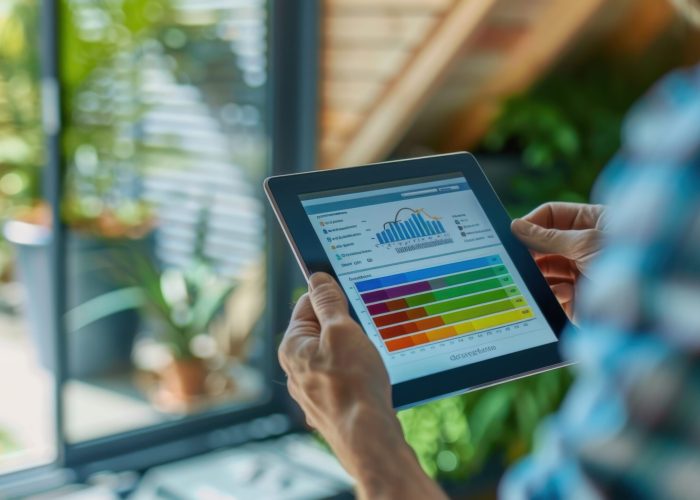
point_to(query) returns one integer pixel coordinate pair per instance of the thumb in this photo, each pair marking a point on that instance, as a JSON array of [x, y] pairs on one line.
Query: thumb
[[327, 298], [568, 243]]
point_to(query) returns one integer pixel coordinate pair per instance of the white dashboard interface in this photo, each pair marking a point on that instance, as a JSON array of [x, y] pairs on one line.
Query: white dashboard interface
[[426, 274]]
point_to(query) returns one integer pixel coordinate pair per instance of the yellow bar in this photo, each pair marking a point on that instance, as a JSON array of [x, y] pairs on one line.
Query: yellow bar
[[503, 318], [480, 324], [461, 328], [441, 333]]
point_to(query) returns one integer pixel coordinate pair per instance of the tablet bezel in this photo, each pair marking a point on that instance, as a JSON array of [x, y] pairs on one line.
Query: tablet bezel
[[284, 192]]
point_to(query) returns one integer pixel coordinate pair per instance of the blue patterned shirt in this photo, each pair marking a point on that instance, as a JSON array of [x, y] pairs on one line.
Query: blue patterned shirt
[[630, 426]]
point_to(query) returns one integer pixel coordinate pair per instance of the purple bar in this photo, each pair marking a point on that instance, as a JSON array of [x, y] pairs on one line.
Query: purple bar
[[397, 291]]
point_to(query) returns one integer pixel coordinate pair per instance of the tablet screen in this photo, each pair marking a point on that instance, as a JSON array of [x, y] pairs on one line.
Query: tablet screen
[[426, 274]]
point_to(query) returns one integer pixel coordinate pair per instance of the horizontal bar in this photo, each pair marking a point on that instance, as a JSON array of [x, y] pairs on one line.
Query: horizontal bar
[[447, 306], [440, 294], [432, 284], [431, 272], [473, 326], [451, 318]]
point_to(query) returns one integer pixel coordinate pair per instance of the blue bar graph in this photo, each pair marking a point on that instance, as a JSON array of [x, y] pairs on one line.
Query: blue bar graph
[[414, 227]]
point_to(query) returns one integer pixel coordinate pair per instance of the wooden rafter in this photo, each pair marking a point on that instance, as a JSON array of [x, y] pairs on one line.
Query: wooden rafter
[[382, 125], [546, 40]]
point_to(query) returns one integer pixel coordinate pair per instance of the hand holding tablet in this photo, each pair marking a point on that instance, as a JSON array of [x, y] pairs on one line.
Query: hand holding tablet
[[423, 250]]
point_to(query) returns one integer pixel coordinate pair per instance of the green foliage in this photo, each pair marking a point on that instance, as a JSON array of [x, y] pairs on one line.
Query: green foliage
[[101, 43], [182, 302], [454, 437], [7, 442], [21, 148], [568, 127]]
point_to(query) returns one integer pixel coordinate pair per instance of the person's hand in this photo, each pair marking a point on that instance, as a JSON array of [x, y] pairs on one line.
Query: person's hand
[[563, 238], [338, 378]]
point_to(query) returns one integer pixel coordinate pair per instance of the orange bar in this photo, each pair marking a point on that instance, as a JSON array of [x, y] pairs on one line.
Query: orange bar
[[401, 343], [428, 323], [395, 305], [416, 313], [441, 334]]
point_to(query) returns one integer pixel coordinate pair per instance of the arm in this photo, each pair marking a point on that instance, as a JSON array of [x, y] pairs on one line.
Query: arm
[[338, 378]]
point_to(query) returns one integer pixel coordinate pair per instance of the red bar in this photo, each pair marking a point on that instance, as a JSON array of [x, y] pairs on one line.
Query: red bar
[[416, 326], [398, 330], [400, 317], [391, 319]]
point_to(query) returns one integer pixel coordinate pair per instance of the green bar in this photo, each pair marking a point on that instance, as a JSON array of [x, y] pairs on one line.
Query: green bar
[[468, 301], [475, 312], [458, 291], [479, 274]]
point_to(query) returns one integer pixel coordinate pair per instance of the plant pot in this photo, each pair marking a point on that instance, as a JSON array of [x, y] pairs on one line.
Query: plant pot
[[97, 348], [185, 379]]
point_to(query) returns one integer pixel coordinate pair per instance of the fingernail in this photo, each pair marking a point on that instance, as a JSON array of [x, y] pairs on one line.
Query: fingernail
[[518, 225], [318, 279]]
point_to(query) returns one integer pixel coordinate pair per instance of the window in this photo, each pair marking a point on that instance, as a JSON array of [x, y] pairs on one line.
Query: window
[[153, 302], [166, 147], [26, 429]]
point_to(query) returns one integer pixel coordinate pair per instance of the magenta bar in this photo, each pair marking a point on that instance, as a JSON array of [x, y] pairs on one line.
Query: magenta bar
[[374, 296], [380, 308], [398, 291]]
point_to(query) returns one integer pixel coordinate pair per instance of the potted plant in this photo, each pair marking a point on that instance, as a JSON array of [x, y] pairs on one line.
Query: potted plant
[[181, 305]]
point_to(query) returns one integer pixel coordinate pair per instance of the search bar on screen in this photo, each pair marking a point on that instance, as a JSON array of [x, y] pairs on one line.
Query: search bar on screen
[[419, 193]]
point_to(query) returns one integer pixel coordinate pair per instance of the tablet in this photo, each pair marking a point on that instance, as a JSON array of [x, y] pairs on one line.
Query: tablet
[[423, 250]]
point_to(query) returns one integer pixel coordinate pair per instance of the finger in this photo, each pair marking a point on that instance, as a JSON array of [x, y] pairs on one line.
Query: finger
[[563, 215], [302, 331], [573, 244], [303, 310], [564, 292], [556, 266], [556, 215], [327, 298]]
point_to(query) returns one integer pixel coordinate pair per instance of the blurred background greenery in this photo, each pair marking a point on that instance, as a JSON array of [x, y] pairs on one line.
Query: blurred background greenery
[[21, 137]]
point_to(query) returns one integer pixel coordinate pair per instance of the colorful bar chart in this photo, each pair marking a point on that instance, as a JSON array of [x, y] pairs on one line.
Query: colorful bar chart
[[416, 226], [429, 305]]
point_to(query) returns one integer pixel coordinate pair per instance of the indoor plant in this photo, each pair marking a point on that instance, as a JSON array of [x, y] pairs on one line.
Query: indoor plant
[[181, 305]]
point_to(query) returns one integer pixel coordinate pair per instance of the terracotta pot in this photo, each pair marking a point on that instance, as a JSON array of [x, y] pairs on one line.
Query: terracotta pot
[[185, 379]]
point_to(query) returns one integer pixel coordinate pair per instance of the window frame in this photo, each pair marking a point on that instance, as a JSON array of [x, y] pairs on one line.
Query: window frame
[[294, 38]]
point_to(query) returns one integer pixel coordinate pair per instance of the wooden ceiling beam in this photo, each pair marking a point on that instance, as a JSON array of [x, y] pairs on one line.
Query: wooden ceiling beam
[[381, 129], [547, 39]]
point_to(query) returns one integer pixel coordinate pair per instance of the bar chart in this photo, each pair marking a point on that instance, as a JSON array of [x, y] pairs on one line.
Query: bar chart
[[438, 303], [417, 225]]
